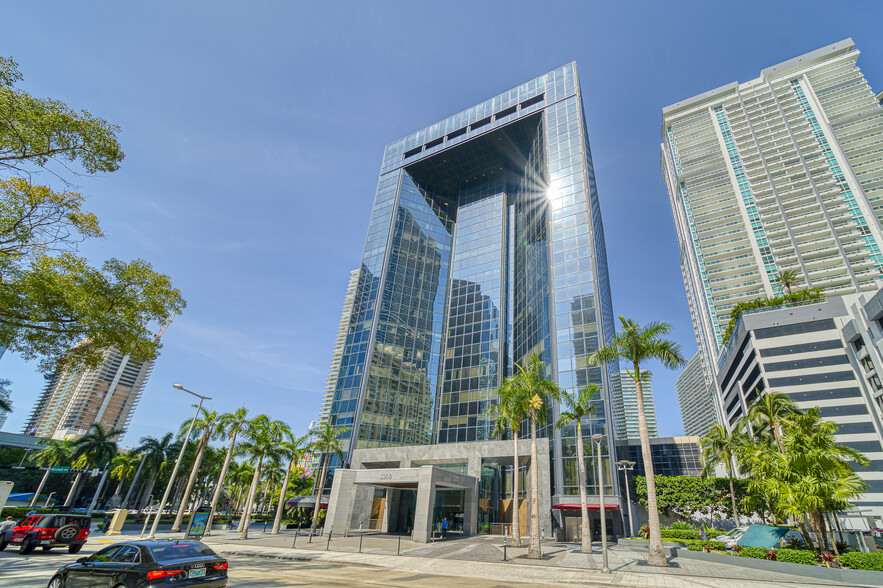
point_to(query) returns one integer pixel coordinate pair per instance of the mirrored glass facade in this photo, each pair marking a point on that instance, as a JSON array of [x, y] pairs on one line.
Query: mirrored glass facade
[[485, 246]]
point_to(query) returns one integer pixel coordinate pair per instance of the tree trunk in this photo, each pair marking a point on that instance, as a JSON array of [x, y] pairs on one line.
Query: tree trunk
[[585, 532], [533, 549], [39, 488], [806, 536], [516, 517], [125, 503], [831, 531], [185, 498], [319, 495], [220, 487], [246, 514], [733, 493], [263, 502], [839, 530], [281, 504], [145, 495], [656, 555]]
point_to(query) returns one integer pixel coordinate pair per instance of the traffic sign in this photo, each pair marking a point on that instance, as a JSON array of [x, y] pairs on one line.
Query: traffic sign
[[59, 469]]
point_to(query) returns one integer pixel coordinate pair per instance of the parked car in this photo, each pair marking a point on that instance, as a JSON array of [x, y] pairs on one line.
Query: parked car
[[48, 531], [729, 538], [137, 564]]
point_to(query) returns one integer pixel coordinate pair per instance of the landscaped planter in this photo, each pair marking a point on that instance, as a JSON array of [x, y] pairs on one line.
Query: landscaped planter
[[845, 575]]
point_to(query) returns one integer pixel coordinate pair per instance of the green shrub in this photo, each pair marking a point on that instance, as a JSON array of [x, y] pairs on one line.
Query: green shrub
[[701, 545], [857, 560], [18, 513], [681, 534], [754, 552], [680, 525], [798, 556]]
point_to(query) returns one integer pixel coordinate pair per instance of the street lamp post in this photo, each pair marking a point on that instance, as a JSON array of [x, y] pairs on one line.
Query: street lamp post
[[165, 496], [48, 498], [597, 438], [626, 466]]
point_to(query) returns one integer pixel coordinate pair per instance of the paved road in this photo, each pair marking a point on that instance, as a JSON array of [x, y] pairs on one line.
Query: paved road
[[37, 568]]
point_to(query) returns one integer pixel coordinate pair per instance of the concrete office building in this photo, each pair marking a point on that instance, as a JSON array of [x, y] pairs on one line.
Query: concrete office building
[[625, 408], [825, 354], [696, 398], [784, 172], [485, 247], [77, 397], [339, 343]]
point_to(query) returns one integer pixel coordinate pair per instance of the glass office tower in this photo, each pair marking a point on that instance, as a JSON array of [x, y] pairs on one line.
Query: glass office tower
[[485, 246]]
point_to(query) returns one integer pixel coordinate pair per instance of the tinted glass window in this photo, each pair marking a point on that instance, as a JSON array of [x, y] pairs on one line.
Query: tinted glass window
[[61, 520], [127, 554], [105, 554], [168, 552]]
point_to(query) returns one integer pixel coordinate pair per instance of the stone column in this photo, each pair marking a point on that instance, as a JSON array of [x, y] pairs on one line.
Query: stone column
[[341, 500], [425, 506]]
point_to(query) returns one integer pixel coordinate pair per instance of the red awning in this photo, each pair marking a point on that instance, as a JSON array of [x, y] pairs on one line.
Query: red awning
[[589, 506]]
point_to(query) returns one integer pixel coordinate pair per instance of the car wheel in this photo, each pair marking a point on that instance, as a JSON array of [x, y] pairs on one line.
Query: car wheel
[[27, 546], [74, 548], [56, 582]]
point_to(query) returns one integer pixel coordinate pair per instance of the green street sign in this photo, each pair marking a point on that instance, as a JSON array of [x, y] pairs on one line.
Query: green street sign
[[59, 469]]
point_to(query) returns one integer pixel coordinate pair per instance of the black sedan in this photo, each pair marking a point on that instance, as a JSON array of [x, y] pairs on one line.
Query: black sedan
[[136, 564]]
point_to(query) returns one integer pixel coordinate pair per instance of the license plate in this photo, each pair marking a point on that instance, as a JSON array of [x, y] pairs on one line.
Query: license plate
[[196, 573], [46, 541]]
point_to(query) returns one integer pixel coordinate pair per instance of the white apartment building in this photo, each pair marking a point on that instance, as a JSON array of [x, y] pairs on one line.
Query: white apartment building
[[696, 398], [339, 344], [625, 408], [784, 172]]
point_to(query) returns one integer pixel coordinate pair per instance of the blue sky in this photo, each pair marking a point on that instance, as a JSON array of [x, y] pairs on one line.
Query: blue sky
[[254, 133]]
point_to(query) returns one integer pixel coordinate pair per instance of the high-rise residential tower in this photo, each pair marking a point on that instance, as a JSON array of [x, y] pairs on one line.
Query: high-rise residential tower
[[485, 247], [339, 343], [76, 397], [625, 407], [784, 172], [696, 398]]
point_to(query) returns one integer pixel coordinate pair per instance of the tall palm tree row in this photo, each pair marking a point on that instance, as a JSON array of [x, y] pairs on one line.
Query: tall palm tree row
[[54, 453], [637, 345], [327, 443], [95, 449], [229, 426], [204, 427], [124, 467], [578, 405], [292, 448], [262, 438], [156, 451]]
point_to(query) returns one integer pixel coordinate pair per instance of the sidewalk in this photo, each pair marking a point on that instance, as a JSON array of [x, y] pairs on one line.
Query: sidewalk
[[481, 558]]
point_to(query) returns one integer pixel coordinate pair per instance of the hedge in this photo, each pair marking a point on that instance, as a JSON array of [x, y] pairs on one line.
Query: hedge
[[700, 545], [799, 556], [858, 560], [754, 552], [681, 534]]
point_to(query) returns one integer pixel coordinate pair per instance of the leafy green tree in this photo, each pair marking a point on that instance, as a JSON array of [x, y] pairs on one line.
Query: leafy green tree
[[205, 427], [636, 345], [263, 436], [54, 453], [578, 405], [326, 442], [229, 426], [293, 448], [54, 306]]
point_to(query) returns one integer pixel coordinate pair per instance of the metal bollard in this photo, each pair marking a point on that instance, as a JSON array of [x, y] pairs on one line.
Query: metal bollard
[[504, 552], [310, 539], [360, 542], [346, 532], [265, 526], [399, 548], [294, 543], [327, 545]]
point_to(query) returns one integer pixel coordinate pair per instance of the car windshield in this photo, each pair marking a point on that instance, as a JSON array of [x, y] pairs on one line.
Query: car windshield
[[165, 553]]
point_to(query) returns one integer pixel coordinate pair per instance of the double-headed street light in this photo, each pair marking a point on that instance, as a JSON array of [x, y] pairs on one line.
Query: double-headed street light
[[165, 496], [626, 466], [597, 438]]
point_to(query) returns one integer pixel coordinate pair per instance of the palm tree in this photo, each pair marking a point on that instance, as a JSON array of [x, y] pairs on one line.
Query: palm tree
[[240, 475], [787, 279], [55, 453], [5, 405], [94, 449], [263, 436], [124, 467], [539, 392], [771, 411], [579, 405], [205, 424], [293, 448], [327, 443], [508, 415], [719, 446], [229, 425], [636, 345], [155, 451]]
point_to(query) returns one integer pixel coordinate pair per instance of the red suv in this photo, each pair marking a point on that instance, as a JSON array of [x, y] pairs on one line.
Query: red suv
[[48, 531]]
